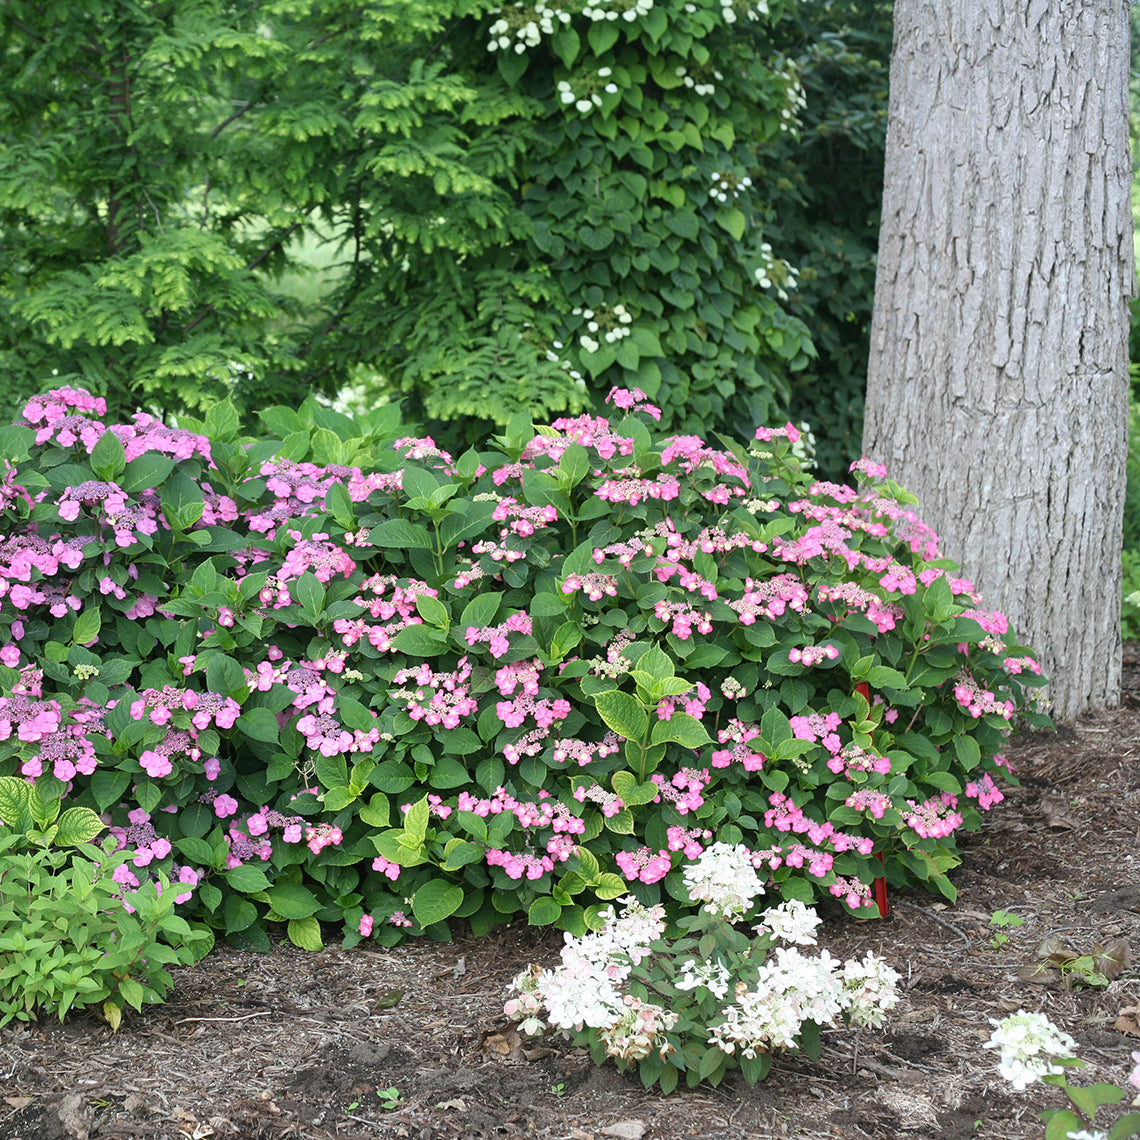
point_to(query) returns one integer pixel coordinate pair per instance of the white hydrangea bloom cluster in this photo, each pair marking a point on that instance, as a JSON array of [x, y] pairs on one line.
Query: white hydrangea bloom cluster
[[712, 975], [1028, 1045], [628, 10], [636, 1032], [587, 95], [797, 99], [724, 879], [584, 990], [792, 921], [789, 991], [794, 989], [612, 323], [725, 184], [553, 354], [522, 26], [870, 991], [775, 271]]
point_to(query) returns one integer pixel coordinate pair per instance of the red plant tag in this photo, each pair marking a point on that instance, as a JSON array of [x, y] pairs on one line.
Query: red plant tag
[[880, 882]]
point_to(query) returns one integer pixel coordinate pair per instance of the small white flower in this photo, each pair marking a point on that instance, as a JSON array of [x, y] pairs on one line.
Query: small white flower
[[712, 975]]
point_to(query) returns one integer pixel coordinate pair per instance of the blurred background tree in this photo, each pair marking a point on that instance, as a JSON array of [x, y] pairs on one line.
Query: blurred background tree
[[202, 197]]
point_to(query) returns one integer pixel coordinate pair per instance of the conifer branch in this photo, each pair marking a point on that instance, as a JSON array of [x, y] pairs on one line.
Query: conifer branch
[[246, 106]]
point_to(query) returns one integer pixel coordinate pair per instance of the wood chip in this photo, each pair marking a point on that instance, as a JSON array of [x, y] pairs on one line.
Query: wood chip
[[626, 1130]]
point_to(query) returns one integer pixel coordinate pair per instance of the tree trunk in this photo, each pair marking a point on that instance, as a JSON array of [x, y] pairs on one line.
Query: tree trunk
[[998, 378]]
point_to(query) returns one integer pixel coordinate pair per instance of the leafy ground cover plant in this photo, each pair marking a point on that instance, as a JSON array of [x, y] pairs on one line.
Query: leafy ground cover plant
[[73, 931], [339, 675], [708, 1000]]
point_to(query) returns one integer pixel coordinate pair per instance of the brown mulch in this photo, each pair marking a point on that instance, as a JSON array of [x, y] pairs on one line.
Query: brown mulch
[[407, 1042]]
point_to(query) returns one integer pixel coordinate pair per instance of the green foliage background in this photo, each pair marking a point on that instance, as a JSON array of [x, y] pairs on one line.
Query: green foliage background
[[209, 196]]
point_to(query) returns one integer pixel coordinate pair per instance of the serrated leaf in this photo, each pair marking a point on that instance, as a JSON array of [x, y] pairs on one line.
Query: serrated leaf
[[305, 933], [435, 901], [884, 677], [544, 911], [623, 714], [355, 715], [607, 885], [224, 675], [15, 442], [77, 825], [308, 592], [247, 879], [633, 793], [415, 823], [620, 822], [400, 533], [420, 641], [87, 625], [182, 501], [291, 900], [259, 724], [459, 853], [131, 992], [222, 421], [480, 611], [680, 728], [775, 727], [107, 457], [15, 811], [433, 611]]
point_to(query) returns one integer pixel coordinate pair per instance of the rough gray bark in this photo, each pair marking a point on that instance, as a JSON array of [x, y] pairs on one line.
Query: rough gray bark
[[998, 379]]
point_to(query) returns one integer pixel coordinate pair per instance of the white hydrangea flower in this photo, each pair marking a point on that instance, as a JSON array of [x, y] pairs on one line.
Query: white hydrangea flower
[[584, 989], [870, 991], [1028, 1045], [712, 975], [723, 878], [1085, 1134], [788, 992], [572, 1001], [792, 921]]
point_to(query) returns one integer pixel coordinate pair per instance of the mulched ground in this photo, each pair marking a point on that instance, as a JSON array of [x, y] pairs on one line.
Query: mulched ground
[[412, 1042]]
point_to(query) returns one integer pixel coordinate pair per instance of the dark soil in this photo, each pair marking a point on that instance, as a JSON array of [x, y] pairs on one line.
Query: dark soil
[[412, 1042]]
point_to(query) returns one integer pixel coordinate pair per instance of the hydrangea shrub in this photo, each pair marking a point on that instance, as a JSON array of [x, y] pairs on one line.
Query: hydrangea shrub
[[339, 675], [709, 998]]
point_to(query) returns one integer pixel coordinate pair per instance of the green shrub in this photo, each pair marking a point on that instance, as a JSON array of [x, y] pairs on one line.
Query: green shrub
[[522, 682], [72, 931]]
